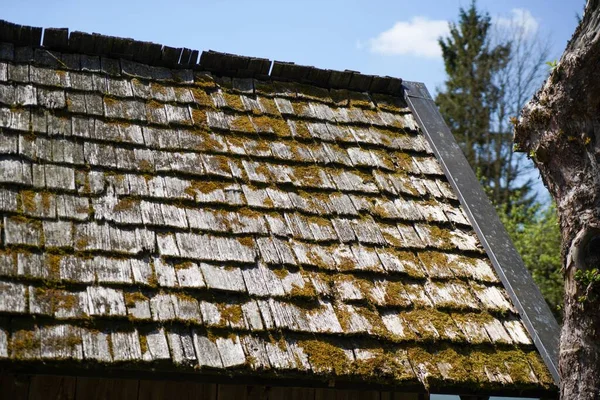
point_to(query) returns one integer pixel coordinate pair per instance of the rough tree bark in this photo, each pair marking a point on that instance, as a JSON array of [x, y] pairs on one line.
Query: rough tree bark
[[560, 129]]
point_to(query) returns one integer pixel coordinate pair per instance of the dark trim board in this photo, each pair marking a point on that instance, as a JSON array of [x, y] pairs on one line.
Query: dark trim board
[[56, 387], [523, 291], [25, 372]]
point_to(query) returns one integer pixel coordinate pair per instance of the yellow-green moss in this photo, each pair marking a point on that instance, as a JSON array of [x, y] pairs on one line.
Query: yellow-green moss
[[312, 92], [420, 319], [410, 262], [183, 265], [82, 242], [540, 369], [204, 187], [346, 264], [210, 143], [310, 176], [223, 163], [181, 92], [143, 344], [87, 188], [249, 213], [458, 364], [236, 141], [56, 299], [371, 315], [231, 313], [199, 117], [340, 97], [203, 80], [242, 123], [302, 131], [417, 295], [382, 366], [118, 177], [268, 203], [358, 99], [343, 317], [435, 259], [394, 240], [155, 105], [262, 169], [325, 357], [71, 341], [201, 97], [145, 166], [53, 264], [28, 203], [270, 88], [441, 235], [233, 101], [317, 260], [46, 201], [110, 101], [393, 295], [247, 241], [306, 291], [159, 88], [266, 123], [281, 273], [389, 103], [269, 105], [23, 343], [131, 298]]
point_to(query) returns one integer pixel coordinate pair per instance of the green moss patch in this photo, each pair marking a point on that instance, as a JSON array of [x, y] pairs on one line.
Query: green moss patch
[[24, 343], [201, 97], [132, 298], [326, 357]]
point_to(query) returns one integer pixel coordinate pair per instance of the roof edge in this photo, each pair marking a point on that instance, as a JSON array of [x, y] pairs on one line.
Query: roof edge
[[223, 64], [507, 262]]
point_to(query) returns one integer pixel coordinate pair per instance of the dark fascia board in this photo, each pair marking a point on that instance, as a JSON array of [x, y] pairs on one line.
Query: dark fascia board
[[507, 262]]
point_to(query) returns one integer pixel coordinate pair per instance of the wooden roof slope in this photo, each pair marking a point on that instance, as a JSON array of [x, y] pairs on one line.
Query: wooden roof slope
[[159, 217]]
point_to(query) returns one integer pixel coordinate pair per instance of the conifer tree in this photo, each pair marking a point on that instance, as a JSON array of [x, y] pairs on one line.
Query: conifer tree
[[471, 98]]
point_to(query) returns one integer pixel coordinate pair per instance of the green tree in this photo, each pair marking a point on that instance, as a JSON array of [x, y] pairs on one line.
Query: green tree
[[471, 96], [536, 234]]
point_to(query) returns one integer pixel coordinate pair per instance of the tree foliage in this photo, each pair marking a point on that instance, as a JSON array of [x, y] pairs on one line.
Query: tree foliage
[[536, 234], [471, 96]]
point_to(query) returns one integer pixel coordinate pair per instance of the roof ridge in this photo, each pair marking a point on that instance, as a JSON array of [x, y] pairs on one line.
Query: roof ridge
[[224, 64]]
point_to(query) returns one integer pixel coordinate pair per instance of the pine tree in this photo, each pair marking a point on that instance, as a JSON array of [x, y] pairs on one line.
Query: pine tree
[[471, 99]]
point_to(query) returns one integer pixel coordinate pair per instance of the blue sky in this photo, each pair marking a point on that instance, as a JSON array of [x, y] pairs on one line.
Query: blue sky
[[394, 37]]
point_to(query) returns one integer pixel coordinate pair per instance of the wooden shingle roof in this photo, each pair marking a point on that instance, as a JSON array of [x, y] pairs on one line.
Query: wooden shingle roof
[[159, 214]]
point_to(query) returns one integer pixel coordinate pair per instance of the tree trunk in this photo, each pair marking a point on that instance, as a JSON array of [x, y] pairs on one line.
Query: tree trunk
[[560, 129]]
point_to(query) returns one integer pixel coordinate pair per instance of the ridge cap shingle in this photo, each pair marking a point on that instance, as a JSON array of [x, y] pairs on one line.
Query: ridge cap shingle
[[223, 64]]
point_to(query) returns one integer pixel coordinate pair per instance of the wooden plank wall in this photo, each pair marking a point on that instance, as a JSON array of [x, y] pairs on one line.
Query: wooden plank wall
[[46, 387]]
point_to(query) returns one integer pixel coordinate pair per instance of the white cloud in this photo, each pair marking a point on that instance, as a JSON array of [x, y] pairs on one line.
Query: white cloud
[[418, 37], [520, 18]]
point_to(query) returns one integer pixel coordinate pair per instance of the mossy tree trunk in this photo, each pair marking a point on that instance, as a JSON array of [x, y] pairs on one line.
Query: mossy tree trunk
[[560, 129]]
